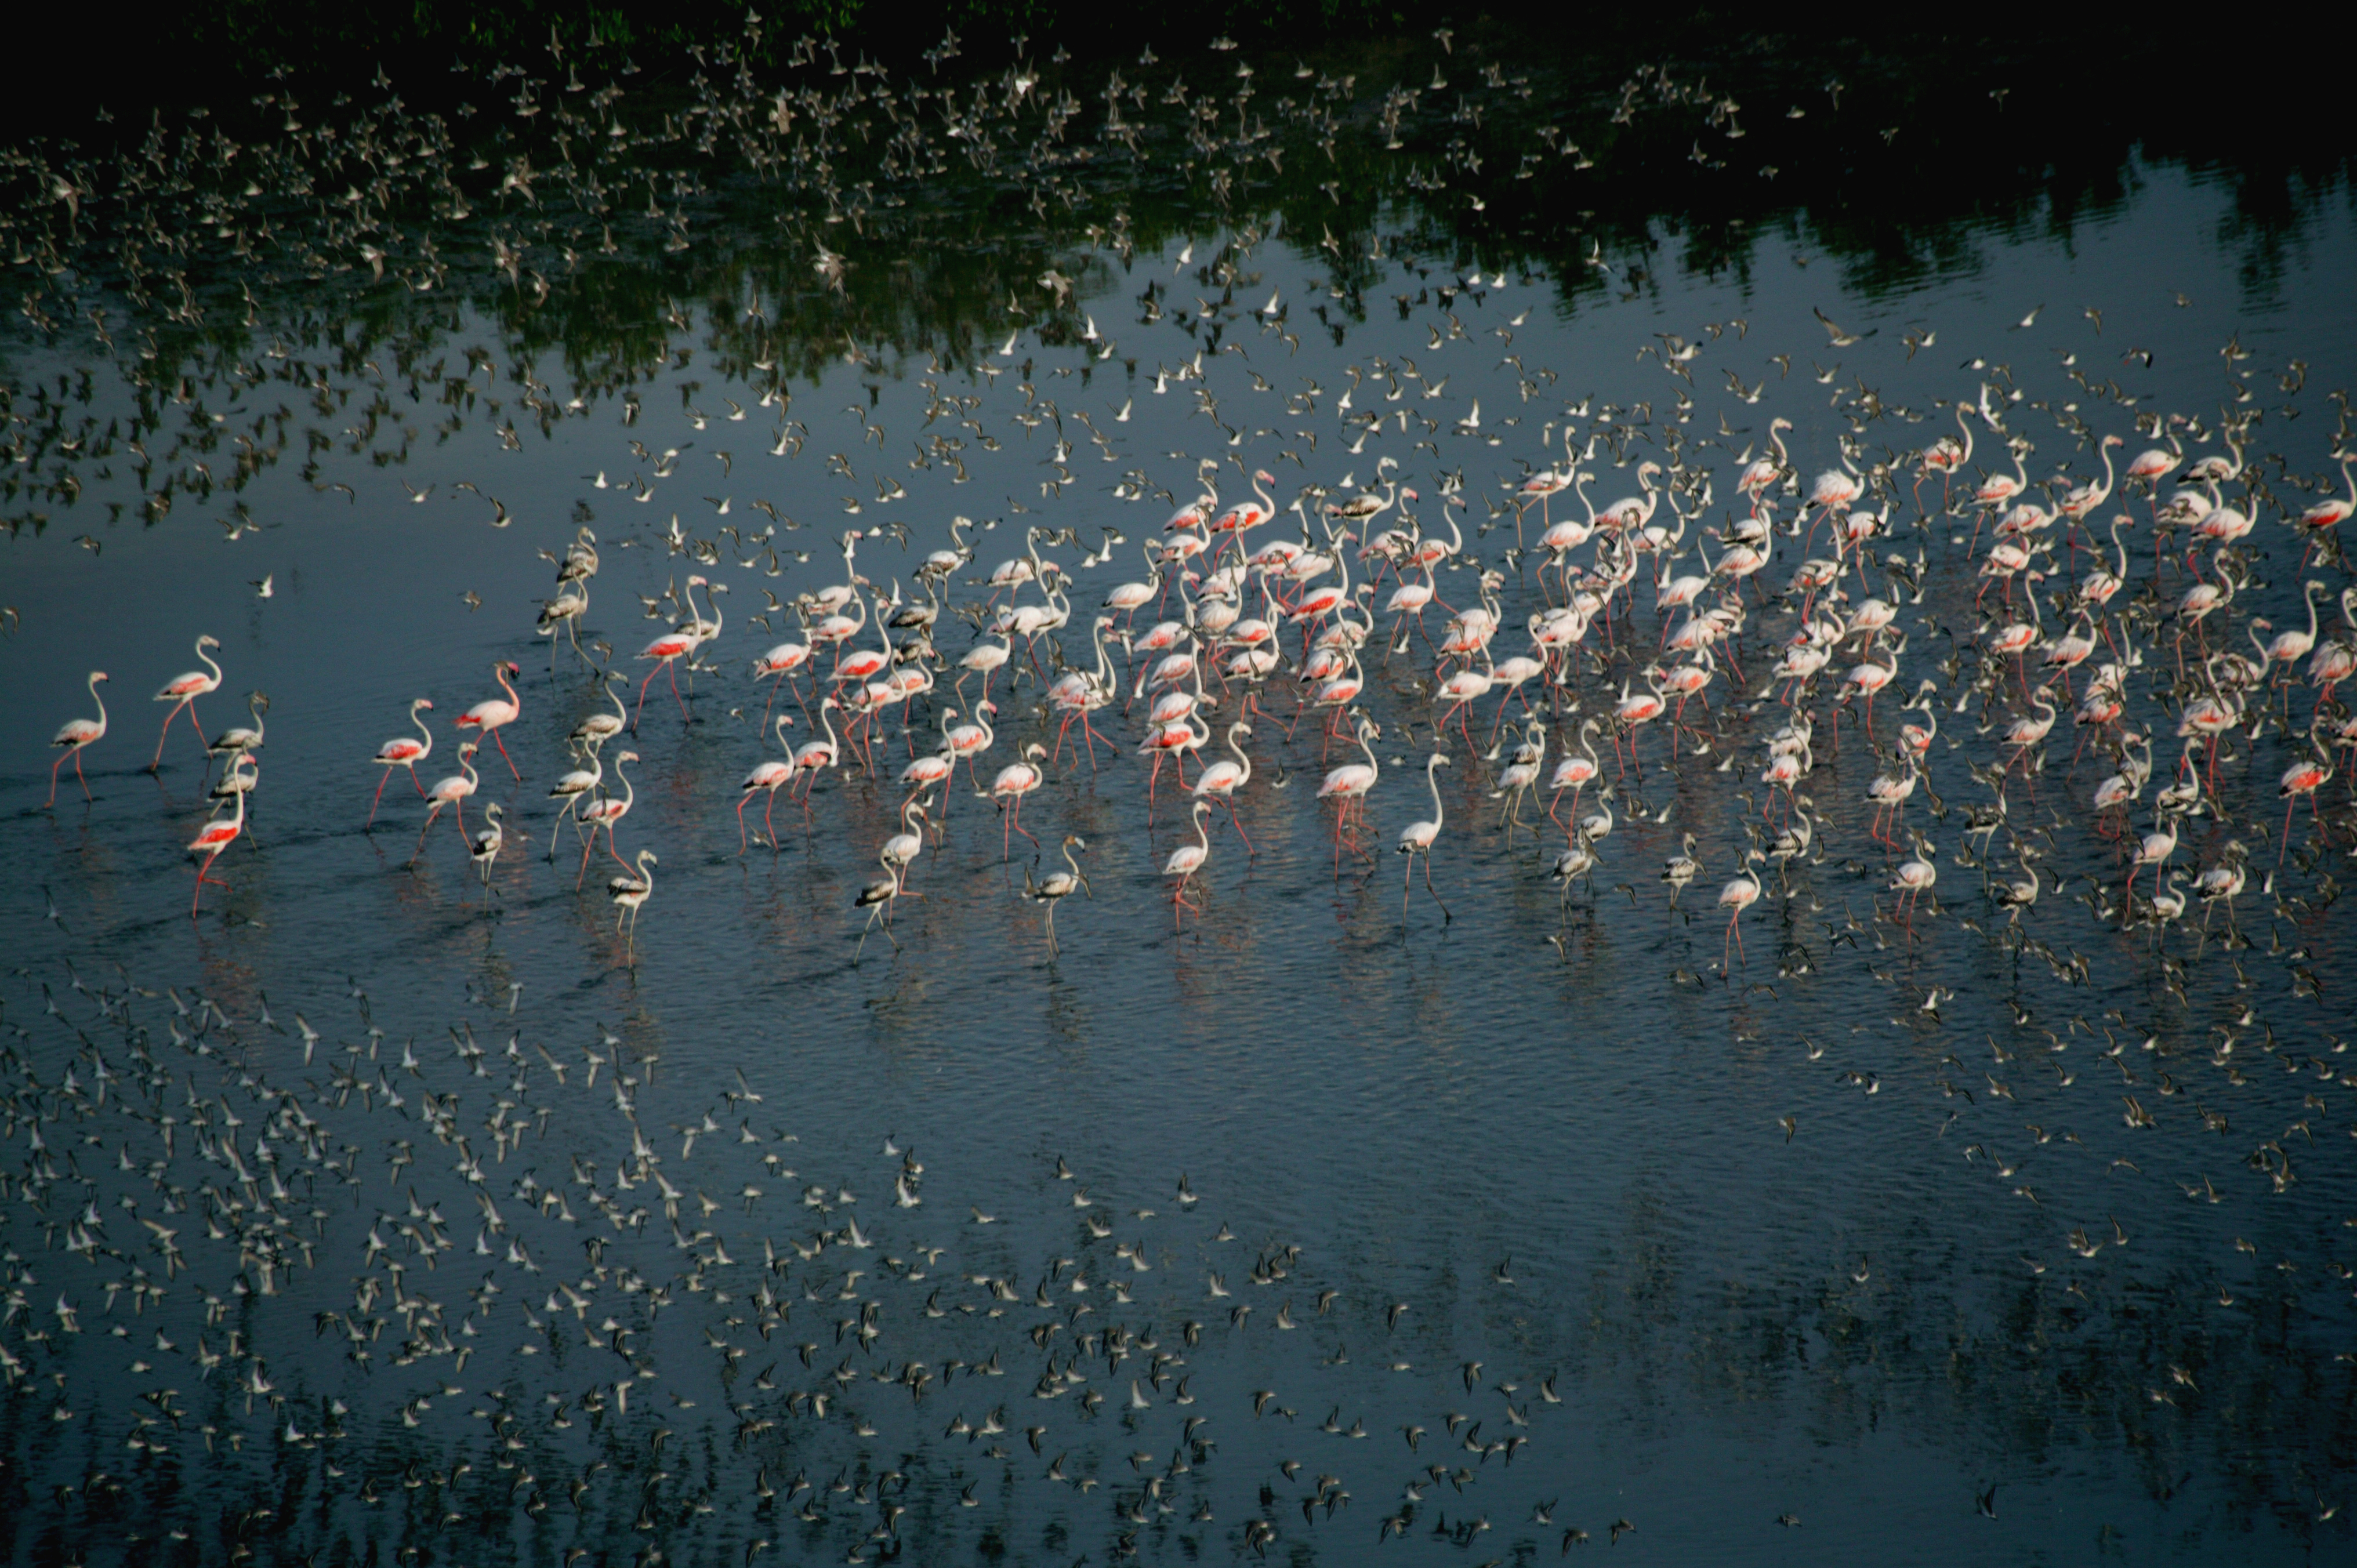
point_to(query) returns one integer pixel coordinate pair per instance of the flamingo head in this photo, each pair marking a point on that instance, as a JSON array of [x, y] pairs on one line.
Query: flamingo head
[[208, 640]]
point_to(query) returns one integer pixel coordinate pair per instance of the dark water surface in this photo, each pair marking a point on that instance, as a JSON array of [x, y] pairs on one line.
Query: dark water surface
[[1305, 1220]]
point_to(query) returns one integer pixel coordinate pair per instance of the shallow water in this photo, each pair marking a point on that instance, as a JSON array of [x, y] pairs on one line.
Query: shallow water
[[1854, 1234]]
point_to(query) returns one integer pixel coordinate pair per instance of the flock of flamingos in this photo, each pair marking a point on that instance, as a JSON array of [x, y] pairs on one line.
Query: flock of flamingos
[[1232, 607]]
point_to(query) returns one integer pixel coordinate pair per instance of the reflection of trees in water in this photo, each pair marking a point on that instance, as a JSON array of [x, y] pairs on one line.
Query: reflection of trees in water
[[851, 212]]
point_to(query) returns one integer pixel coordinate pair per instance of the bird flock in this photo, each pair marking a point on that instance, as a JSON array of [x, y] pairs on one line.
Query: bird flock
[[1795, 665]]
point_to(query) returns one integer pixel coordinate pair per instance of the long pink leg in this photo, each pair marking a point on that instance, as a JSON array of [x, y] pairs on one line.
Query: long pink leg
[[641, 706], [166, 734]]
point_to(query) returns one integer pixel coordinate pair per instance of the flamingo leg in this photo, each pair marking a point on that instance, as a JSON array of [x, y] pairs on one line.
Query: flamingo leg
[[428, 828], [1238, 823], [504, 757], [166, 734]]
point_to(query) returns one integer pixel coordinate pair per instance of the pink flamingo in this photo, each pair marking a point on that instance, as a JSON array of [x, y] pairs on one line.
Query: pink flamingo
[[605, 813], [1222, 779], [73, 735], [494, 714], [403, 752], [1735, 897], [772, 775], [670, 648], [1349, 787], [182, 691], [1015, 780], [452, 792], [1186, 860], [218, 836]]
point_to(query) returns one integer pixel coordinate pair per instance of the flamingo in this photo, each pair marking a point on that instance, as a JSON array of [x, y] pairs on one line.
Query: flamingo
[[986, 660], [1914, 880], [605, 813], [2215, 470], [861, 664], [673, 646], [1460, 690], [2154, 465], [935, 767], [1186, 860], [2291, 646], [596, 729], [1173, 738], [1836, 488], [488, 840], [2305, 776], [1575, 772], [571, 789], [1222, 779], [1351, 784], [902, 850], [2000, 487], [1945, 456], [2084, 498], [403, 752], [1633, 711], [494, 714], [1738, 895], [629, 894], [2156, 848], [2024, 735], [2334, 511], [218, 836], [1057, 886], [1015, 780], [242, 737], [1764, 472], [1418, 838], [779, 664], [770, 775], [1128, 598], [819, 756], [1247, 515], [74, 736], [452, 792], [182, 691], [877, 899]]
